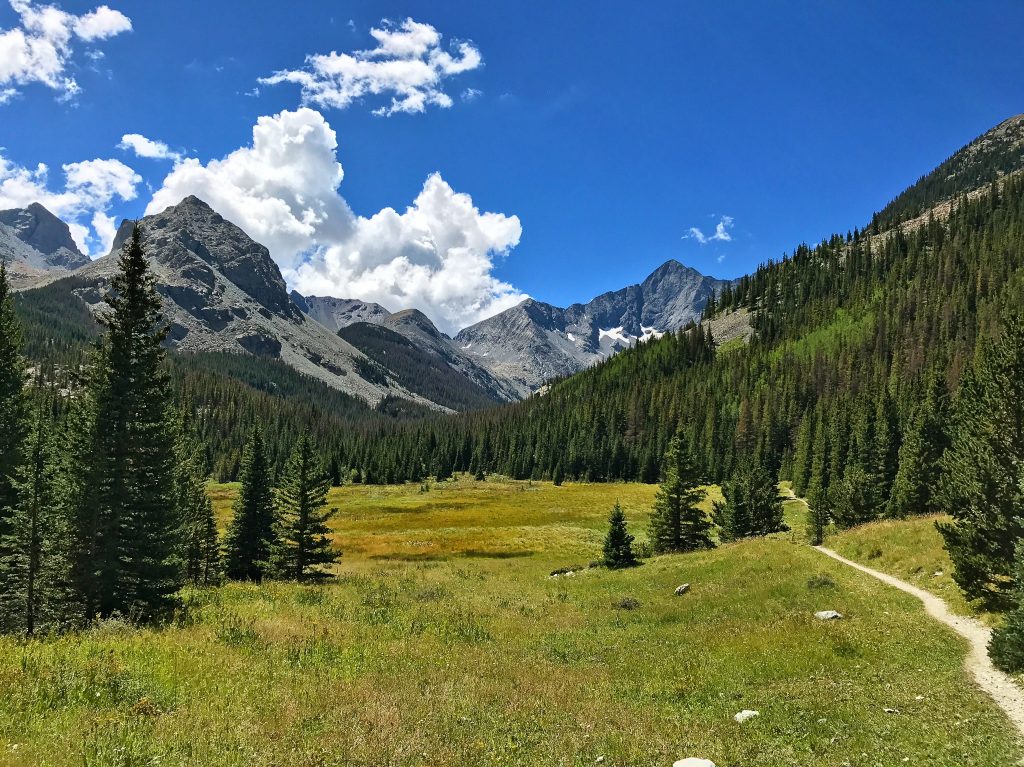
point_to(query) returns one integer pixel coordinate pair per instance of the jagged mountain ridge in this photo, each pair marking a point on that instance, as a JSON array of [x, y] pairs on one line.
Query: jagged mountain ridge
[[224, 293], [46, 234], [433, 347], [535, 341], [337, 313], [35, 244]]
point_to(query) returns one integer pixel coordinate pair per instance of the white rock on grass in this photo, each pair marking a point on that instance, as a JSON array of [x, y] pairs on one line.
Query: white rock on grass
[[693, 762], [680, 590], [746, 714], [828, 615]]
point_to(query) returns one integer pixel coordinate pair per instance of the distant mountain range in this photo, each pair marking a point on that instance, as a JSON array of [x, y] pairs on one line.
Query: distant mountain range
[[534, 341], [224, 293]]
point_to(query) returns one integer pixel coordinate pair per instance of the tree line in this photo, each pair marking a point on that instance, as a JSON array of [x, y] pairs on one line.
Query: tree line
[[103, 503]]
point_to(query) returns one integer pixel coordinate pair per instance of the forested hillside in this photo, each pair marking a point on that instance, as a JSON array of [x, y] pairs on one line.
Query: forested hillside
[[849, 335]]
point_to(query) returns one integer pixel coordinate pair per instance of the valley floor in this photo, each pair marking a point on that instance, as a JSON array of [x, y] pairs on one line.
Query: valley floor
[[444, 641]]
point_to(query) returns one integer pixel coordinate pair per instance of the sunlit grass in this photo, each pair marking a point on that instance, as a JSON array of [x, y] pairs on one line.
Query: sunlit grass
[[443, 641]]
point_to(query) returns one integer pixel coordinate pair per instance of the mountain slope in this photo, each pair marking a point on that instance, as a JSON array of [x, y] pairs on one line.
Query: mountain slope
[[534, 341], [849, 337], [45, 234], [224, 293], [423, 347], [337, 313], [994, 154]]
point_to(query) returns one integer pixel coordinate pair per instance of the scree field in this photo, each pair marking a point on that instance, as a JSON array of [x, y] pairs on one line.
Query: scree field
[[444, 640]]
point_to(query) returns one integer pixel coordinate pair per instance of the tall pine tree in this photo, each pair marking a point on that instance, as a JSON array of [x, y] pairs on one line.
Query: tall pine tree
[[925, 440], [13, 403], [982, 485], [125, 548], [678, 523], [250, 540], [305, 548], [33, 568], [200, 549]]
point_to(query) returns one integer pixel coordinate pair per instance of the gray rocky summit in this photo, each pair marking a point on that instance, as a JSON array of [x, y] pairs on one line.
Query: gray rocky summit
[[534, 341], [46, 234], [224, 293]]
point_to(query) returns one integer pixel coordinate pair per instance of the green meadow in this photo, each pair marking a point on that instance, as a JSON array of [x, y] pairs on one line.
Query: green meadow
[[444, 640]]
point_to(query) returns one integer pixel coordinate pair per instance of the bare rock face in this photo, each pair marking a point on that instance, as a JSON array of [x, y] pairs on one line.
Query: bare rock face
[[46, 234], [534, 341]]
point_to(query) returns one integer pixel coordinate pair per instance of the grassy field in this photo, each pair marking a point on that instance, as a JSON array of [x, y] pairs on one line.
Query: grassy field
[[910, 549], [444, 641]]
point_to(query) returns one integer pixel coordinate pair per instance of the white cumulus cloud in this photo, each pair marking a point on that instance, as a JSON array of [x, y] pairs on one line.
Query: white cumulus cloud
[[409, 64], [283, 190], [90, 189], [146, 147], [39, 49], [721, 233]]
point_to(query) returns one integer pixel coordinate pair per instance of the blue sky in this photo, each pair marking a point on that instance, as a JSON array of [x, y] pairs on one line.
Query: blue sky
[[608, 130]]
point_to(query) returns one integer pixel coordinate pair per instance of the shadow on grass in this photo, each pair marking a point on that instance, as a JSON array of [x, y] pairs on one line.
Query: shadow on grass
[[479, 554]]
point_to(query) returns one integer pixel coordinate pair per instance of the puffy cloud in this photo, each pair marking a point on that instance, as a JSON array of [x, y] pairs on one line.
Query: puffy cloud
[[408, 63], [90, 188], [102, 23], [145, 147], [437, 255], [282, 190], [721, 233], [38, 51]]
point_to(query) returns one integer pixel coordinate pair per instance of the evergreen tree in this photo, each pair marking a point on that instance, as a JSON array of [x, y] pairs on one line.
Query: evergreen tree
[[818, 518], [752, 505], [13, 404], [677, 522], [982, 485], [854, 500], [200, 550], [250, 539], [305, 548], [1006, 648], [125, 548], [804, 455], [33, 573], [914, 488], [618, 543], [817, 484], [558, 476]]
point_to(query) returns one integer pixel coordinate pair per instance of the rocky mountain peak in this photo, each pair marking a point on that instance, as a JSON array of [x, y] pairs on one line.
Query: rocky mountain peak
[[337, 313], [191, 234], [413, 318], [534, 341], [40, 229]]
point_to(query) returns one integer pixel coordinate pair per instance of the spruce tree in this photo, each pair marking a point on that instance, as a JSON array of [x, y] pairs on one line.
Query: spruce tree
[[804, 455], [1006, 648], [678, 523], [752, 505], [925, 440], [305, 547], [618, 543], [125, 549], [200, 550], [13, 404], [982, 484], [33, 569], [250, 539]]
